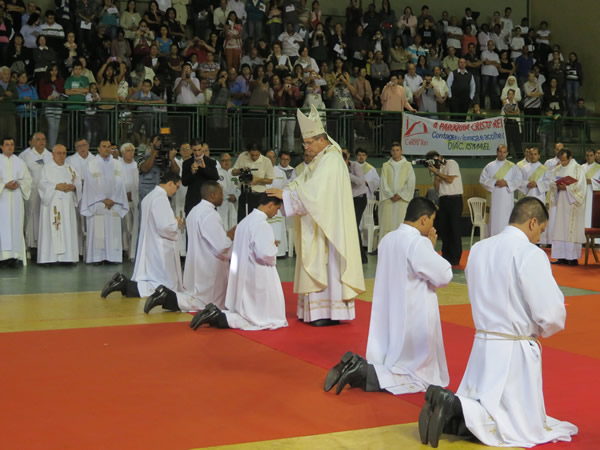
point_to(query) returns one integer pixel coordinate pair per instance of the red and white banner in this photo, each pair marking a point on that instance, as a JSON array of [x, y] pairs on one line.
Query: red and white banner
[[482, 137]]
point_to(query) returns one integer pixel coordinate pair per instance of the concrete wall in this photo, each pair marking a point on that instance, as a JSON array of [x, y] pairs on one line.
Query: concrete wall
[[574, 27]]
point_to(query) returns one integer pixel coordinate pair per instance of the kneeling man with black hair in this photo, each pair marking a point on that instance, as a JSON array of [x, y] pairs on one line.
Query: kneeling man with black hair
[[254, 299]]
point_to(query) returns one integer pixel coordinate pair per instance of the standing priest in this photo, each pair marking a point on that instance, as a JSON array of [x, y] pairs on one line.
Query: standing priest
[[501, 178], [15, 188], [328, 266], [60, 192], [104, 204]]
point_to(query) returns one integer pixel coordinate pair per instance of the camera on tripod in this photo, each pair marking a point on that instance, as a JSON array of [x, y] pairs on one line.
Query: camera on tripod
[[435, 162], [246, 176]]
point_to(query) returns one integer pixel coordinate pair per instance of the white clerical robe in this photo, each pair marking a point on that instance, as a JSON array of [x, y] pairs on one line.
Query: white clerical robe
[[228, 210], [157, 259], [104, 179], [278, 222], [207, 262], [501, 391], [79, 164], [58, 221], [254, 298], [592, 172], [568, 233], [130, 223], [328, 264], [35, 163], [12, 210], [502, 198], [178, 204], [372, 179], [546, 237], [405, 342], [542, 177], [397, 177]]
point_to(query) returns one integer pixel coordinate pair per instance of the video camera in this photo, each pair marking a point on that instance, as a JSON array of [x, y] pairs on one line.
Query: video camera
[[246, 176], [166, 145], [435, 162]]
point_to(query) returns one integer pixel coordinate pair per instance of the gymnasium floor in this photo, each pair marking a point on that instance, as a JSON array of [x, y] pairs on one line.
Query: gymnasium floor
[[81, 372]]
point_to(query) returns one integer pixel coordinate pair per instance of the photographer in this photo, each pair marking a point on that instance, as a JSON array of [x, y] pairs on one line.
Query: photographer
[[255, 171], [197, 170], [427, 95], [186, 88], [155, 163], [448, 182]]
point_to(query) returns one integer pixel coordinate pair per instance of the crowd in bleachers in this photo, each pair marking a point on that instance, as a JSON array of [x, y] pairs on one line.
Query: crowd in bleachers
[[282, 53]]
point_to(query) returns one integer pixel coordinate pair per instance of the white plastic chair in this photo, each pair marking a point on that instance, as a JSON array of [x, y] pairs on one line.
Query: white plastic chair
[[477, 210], [370, 226]]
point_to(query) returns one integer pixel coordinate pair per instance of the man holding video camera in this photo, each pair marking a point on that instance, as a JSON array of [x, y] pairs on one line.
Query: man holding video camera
[[255, 172], [159, 159], [448, 182]]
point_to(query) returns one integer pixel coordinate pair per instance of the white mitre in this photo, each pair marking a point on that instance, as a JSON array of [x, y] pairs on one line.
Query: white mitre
[[310, 126]]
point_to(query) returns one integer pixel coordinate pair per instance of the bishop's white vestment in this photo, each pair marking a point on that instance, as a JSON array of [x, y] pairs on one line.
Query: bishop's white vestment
[[104, 179], [329, 271], [207, 263], [502, 199], [79, 165], [35, 163], [157, 259], [397, 177], [405, 342], [130, 223], [546, 237], [278, 222], [12, 210], [254, 298], [538, 173], [57, 240], [228, 210], [501, 391], [592, 173], [568, 232], [373, 181]]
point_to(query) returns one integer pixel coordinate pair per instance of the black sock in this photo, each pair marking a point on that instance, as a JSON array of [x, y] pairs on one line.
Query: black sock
[[171, 301], [131, 290], [221, 321]]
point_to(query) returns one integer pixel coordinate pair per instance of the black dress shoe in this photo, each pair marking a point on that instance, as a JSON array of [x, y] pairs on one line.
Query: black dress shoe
[[209, 315], [355, 374], [324, 322], [572, 262], [336, 372], [441, 416], [559, 261], [158, 298], [118, 282], [427, 411]]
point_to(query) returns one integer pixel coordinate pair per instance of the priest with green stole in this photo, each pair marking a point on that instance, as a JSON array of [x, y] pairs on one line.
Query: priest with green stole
[[328, 266]]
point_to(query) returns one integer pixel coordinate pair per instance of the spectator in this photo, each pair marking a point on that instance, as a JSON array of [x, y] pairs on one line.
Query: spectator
[[143, 41], [186, 87], [511, 112], [152, 17], [108, 86], [233, 41], [554, 98], [516, 44], [274, 20], [290, 41], [470, 20], [288, 96], [474, 66], [574, 80], [543, 37], [175, 63], [557, 69], [164, 41], [393, 96], [416, 49], [427, 32], [425, 16], [511, 83], [532, 93], [199, 48], [154, 62], [483, 37], [372, 20], [489, 75], [17, 55], [31, 30], [469, 38], [427, 95], [399, 57], [143, 115], [422, 68], [181, 11], [507, 68], [90, 122], [201, 17], [412, 80], [255, 12], [220, 16], [109, 14], [252, 59], [52, 87], [176, 29], [338, 44], [208, 70], [407, 27], [354, 15], [53, 31], [282, 63], [121, 48], [440, 88], [461, 88], [450, 63], [454, 35], [433, 60], [43, 56], [363, 99], [130, 20], [523, 65], [26, 91], [77, 87]]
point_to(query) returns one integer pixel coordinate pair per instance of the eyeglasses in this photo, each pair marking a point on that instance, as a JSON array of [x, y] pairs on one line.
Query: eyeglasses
[[306, 144]]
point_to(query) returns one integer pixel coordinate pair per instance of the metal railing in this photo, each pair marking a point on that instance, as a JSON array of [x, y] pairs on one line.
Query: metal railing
[[233, 129]]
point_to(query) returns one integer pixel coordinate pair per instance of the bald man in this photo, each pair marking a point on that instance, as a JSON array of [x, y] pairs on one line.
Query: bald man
[[60, 192]]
